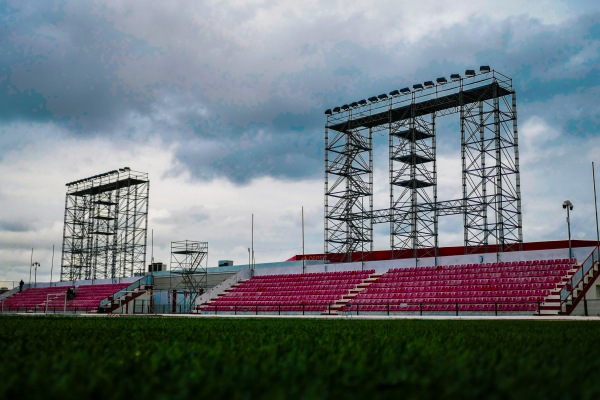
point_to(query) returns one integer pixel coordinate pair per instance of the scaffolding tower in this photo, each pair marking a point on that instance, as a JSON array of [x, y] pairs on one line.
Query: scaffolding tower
[[491, 193], [189, 259], [105, 226]]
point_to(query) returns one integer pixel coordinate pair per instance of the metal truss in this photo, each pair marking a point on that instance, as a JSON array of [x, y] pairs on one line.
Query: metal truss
[[490, 162], [491, 201], [349, 193], [413, 183], [105, 226], [189, 259]]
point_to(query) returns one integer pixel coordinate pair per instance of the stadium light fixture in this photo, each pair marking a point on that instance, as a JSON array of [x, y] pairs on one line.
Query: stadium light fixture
[[373, 99], [362, 102], [382, 96], [336, 110], [418, 86], [327, 112], [455, 77], [354, 104], [35, 265], [484, 68], [428, 84], [470, 73], [567, 205], [395, 93], [345, 107], [441, 80], [405, 90]]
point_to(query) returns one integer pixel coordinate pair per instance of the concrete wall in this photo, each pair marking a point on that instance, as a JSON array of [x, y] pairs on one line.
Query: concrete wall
[[129, 309]]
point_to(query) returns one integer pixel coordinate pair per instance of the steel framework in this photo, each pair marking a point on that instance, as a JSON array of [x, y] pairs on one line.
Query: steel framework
[[189, 259], [349, 185], [105, 226], [491, 198]]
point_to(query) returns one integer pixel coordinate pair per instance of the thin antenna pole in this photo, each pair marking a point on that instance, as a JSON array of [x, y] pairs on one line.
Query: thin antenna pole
[[252, 244], [152, 254], [595, 203], [52, 265], [303, 263], [30, 265]]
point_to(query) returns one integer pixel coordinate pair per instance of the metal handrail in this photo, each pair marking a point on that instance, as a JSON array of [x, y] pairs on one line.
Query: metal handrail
[[145, 280], [357, 308], [566, 293]]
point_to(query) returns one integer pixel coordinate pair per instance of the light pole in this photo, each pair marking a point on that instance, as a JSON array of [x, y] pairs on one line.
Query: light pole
[[36, 265], [567, 205]]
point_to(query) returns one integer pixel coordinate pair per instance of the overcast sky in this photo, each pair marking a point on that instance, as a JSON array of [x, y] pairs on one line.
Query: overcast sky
[[222, 102]]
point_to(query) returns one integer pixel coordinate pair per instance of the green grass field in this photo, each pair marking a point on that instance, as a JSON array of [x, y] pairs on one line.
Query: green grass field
[[167, 358]]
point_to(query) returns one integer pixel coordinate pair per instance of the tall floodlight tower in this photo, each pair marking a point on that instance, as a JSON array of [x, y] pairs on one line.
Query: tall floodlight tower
[[490, 160], [348, 186], [413, 177], [105, 226], [489, 151]]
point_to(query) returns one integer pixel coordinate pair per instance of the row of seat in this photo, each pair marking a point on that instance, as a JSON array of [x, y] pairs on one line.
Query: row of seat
[[320, 275], [505, 275], [455, 294], [479, 307], [485, 281], [501, 264], [86, 296], [455, 288]]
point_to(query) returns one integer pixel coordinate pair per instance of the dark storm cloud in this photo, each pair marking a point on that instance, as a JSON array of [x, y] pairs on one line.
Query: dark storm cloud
[[15, 226], [59, 63], [243, 107]]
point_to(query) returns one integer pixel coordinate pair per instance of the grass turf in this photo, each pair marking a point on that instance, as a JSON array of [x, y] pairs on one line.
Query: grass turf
[[177, 358]]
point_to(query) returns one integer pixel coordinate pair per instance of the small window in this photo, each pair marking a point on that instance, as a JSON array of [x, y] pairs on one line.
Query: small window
[[598, 291]]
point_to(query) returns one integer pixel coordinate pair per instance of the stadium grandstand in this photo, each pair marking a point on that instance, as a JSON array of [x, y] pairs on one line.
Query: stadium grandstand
[[495, 272]]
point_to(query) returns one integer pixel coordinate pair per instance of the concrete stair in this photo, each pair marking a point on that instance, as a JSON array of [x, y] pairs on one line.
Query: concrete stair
[[340, 304]]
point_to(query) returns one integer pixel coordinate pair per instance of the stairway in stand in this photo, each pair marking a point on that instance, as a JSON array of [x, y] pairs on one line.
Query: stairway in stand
[[339, 305]]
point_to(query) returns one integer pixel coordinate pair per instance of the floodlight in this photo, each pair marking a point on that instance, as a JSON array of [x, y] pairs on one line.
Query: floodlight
[[405, 90], [428, 84], [455, 77], [568, 204], [362, 102], [441, 80], [345, 107], [336, 109], [470, 73], [418, 86], [354, 104], [484, 68], [373, 99], [382, 96], [394, 93]]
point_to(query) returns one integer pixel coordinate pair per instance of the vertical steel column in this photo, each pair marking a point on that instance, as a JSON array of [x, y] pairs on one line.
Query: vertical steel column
[[413, 182], [326, 194], [435, 190], [463, 156], [484, 199], [499, 191], [517, 173], [369, 217]]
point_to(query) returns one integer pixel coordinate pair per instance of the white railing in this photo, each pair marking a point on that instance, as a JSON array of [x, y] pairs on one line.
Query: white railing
[[221, 287]]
